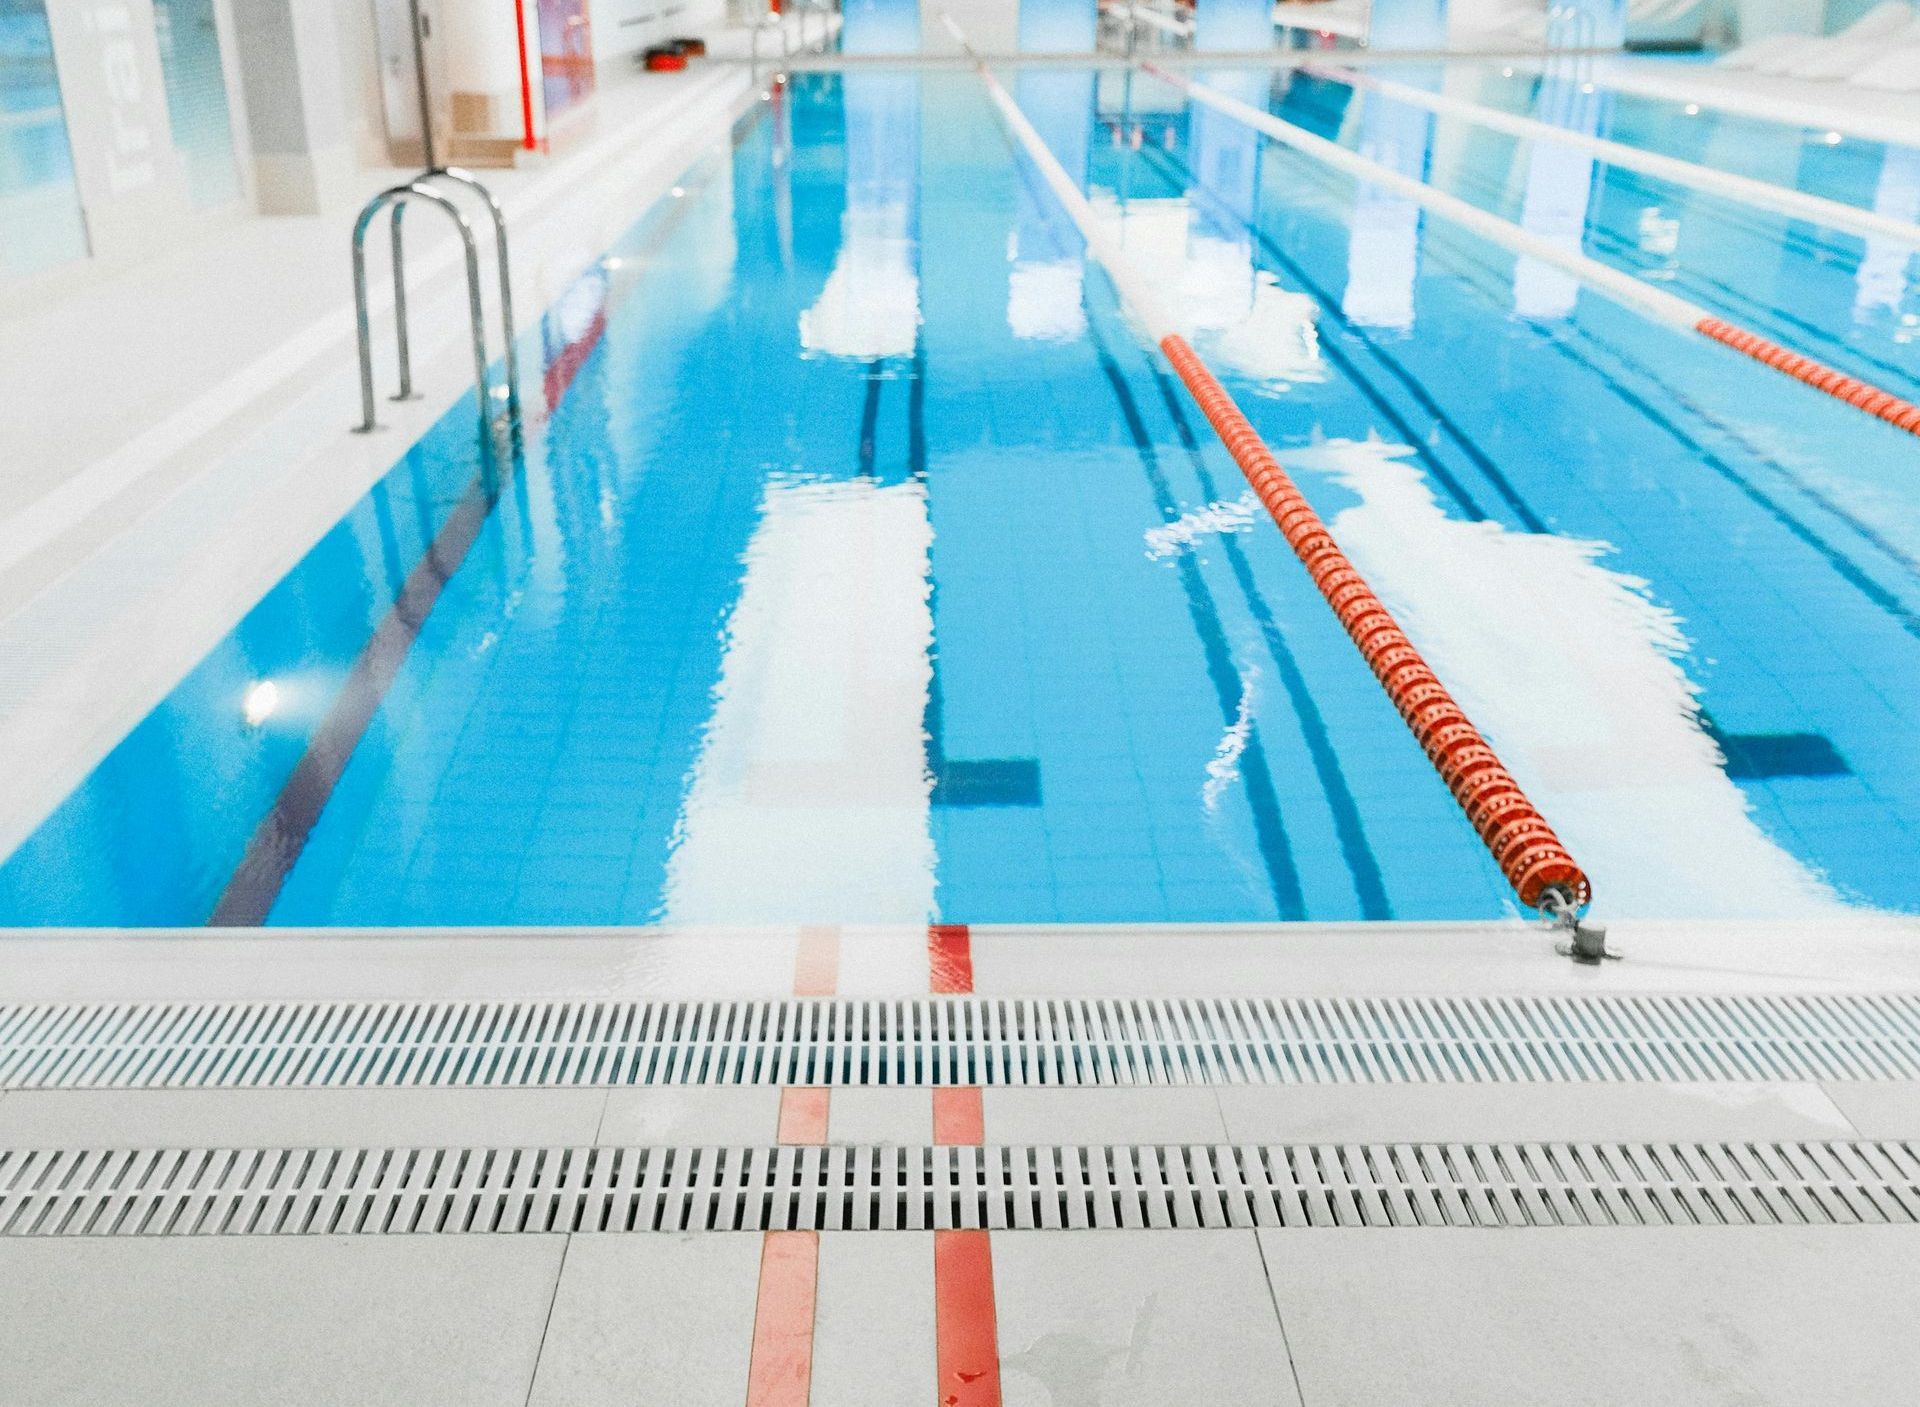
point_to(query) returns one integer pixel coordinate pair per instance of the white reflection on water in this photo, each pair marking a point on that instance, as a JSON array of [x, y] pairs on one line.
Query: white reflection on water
[[1881, 281], [870, 306], [1274, 342], [1610, 748], [1559, 190], [1044, 298], [1240, 318], [1226, 516], [810, 798]]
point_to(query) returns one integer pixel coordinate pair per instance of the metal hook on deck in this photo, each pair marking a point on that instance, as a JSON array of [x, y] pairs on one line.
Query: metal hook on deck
[[1583, 941]]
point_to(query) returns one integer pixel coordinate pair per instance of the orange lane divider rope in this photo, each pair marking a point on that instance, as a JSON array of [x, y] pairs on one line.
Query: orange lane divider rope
[[1855, 392], [1529, 854], [1523, 845]]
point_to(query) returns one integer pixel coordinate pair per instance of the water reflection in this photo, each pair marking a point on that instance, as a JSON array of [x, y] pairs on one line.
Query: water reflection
[[1048, 267], [1559, 187], [1629, 772], [1881, 283], [870, 306], [811, 794], [689, 669]]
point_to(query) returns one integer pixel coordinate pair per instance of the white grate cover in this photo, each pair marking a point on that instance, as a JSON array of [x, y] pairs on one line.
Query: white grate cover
[[958, 1041], [499, 1191]]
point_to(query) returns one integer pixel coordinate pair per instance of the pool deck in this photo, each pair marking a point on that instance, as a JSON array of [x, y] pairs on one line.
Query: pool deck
[[950, 1309]]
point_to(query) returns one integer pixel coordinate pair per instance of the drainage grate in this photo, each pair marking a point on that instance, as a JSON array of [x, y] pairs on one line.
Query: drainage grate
[[505, 1191], [959, 1041]]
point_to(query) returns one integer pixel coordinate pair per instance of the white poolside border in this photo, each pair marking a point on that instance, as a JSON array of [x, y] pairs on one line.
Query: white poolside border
[[1868, 953]]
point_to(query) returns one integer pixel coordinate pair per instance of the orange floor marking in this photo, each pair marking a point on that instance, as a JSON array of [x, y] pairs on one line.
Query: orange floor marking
[[958, 1117], [950, 958], [816, 965], [965, 1330], [803, 1115], [781, 1373]]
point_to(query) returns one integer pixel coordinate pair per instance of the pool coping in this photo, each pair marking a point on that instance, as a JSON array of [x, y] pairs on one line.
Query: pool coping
[[1868, 953]]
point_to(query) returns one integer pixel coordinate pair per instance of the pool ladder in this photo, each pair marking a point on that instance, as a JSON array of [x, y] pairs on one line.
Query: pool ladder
[[776, 22], [423, 188]]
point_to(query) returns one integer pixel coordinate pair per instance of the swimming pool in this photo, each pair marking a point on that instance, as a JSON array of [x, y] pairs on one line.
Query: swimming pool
[[866, 565]]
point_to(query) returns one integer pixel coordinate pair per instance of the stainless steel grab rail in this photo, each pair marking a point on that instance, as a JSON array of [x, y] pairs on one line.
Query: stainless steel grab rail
[[397, 198], [498, 219]]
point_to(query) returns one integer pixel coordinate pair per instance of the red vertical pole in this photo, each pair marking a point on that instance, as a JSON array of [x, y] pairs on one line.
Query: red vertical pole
[[526, 77]]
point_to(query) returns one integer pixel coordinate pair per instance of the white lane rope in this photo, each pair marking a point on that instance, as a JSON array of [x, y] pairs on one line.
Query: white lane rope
[[1623, 288], [1782, 200]]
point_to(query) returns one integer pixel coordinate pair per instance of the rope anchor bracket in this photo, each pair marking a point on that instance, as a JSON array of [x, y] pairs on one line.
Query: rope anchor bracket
[[1583, 941]]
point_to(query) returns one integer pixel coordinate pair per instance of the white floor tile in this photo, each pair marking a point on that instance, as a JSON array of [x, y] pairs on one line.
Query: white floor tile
[[873, 1343], [1137, 1319], [298, 1118], [1877, 1108], [896, 1116], [651, 1320], [1189, 1114], [691, 1116], [1700, 1316], [1464, 1113], [410, 1321]]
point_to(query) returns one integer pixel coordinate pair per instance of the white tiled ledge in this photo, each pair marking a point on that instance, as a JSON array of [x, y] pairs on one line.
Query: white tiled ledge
[[1865, 954]]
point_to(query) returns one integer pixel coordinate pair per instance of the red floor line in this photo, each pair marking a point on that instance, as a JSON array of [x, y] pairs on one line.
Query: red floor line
[[803, 1115], [966, 1334], [781, 1371], [816, 962], [958, 1116], [950, 959], [966, 1322]]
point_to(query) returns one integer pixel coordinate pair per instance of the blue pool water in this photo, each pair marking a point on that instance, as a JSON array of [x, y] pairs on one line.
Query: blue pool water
[[866, 565]]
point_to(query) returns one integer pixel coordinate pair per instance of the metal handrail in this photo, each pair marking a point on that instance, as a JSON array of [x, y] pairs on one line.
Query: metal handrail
[[770, 20], [397, 196], [501, 256]]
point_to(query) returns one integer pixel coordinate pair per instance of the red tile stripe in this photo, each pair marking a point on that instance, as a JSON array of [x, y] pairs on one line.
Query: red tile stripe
[[958, 1118], [803, 1115], [966, 1322], [950, 959], [816, 963], [965, 1331], [781, 1372]]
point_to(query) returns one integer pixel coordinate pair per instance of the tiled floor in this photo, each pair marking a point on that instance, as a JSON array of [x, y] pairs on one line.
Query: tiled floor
[[1694, 1314], [1326, 1318]]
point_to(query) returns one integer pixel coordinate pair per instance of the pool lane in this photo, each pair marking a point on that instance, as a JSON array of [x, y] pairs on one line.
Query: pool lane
[[1741, 546], [867, 567], [1850, 299]]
